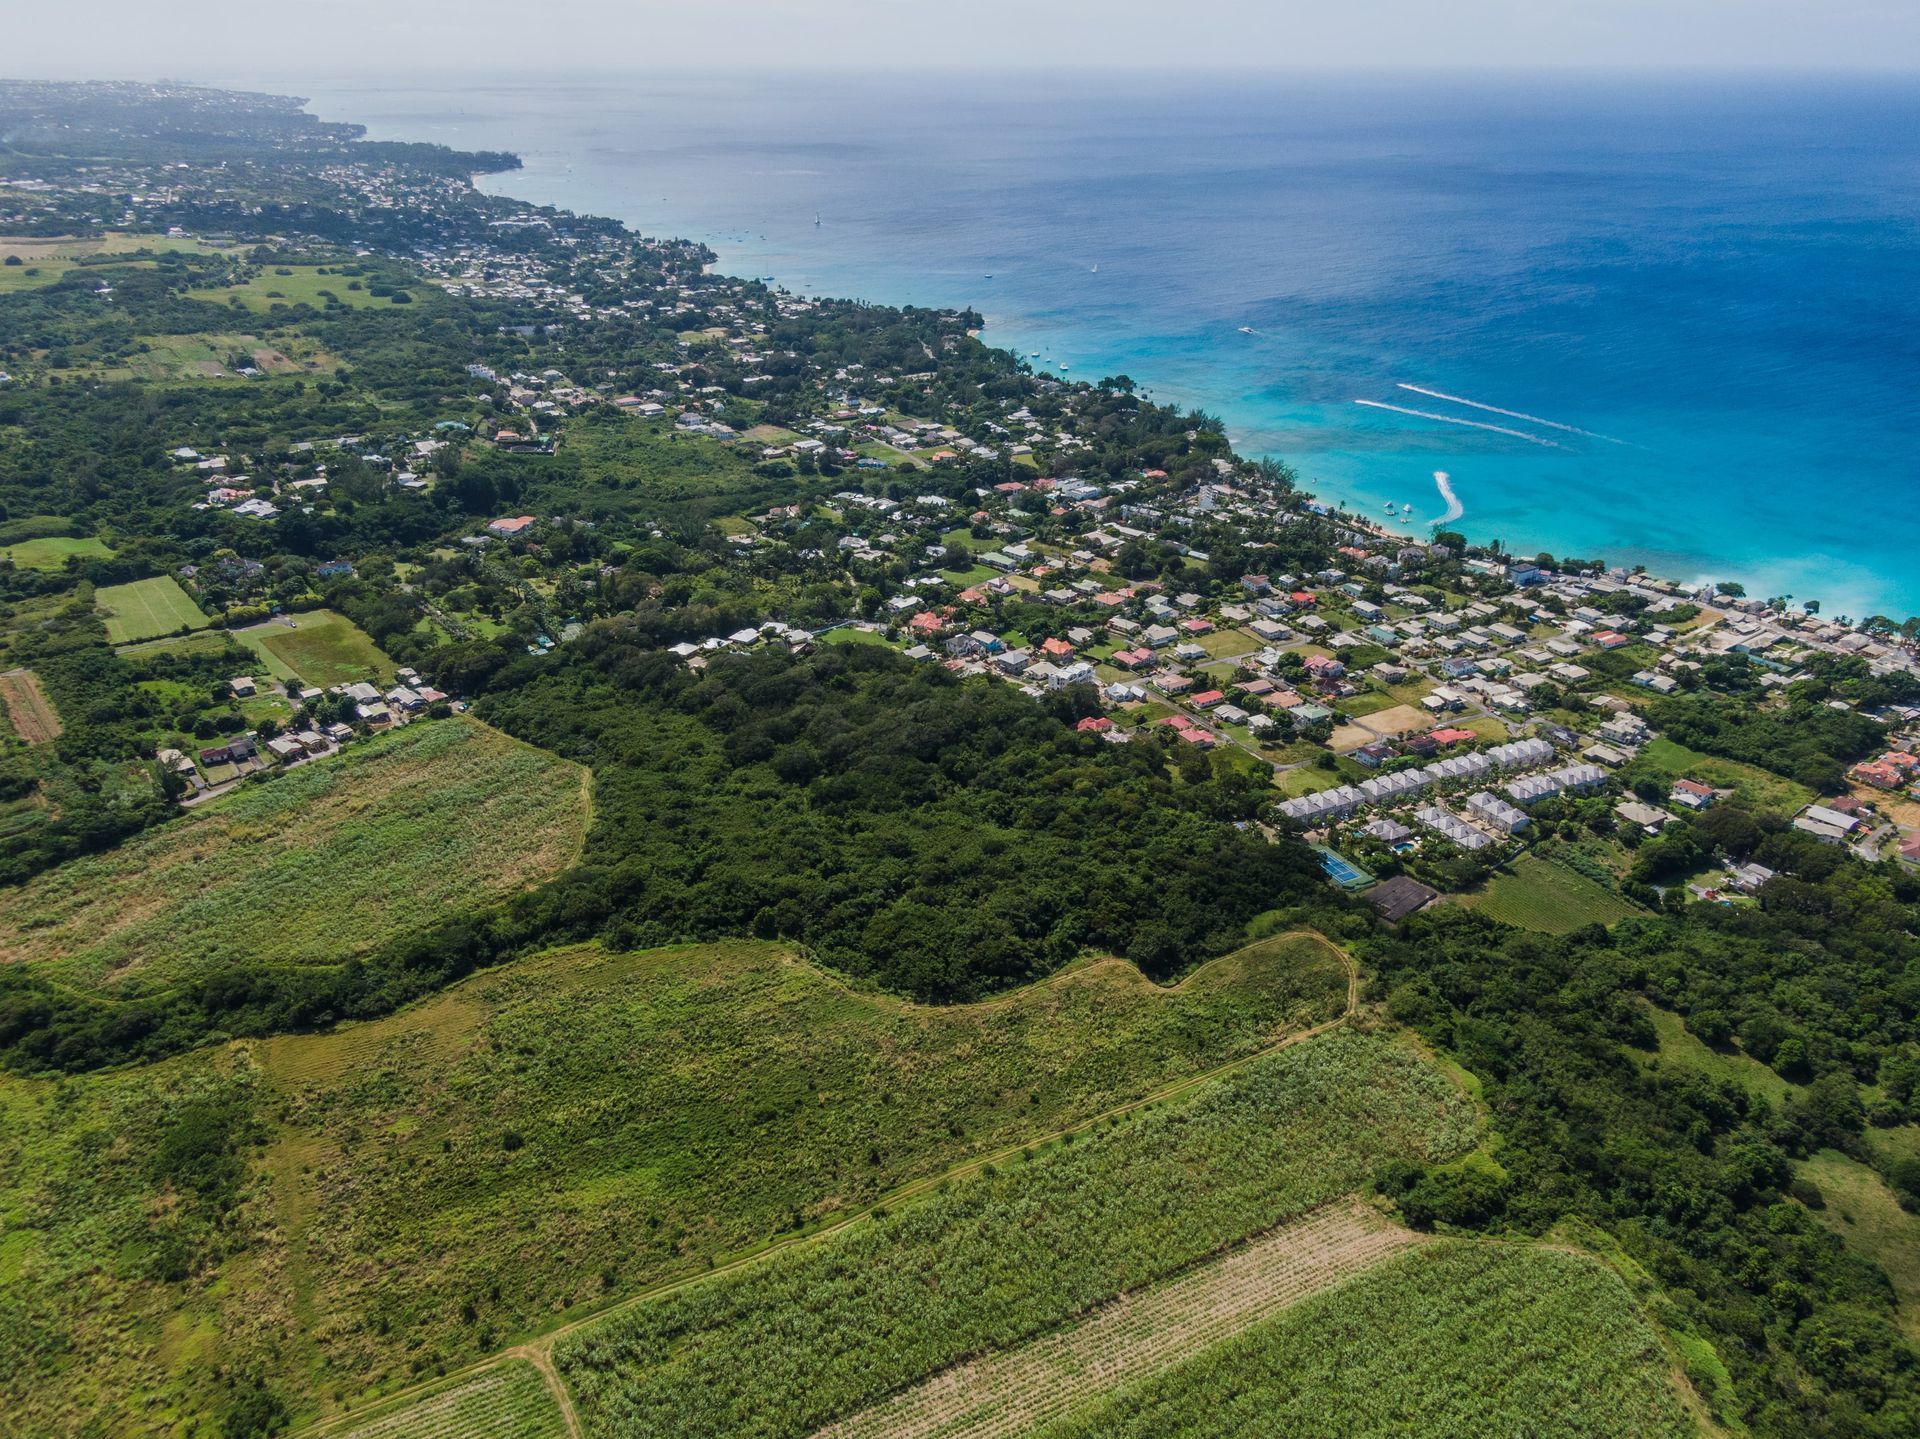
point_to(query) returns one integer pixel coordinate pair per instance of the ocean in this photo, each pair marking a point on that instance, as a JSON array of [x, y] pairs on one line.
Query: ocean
[[1671, 322]]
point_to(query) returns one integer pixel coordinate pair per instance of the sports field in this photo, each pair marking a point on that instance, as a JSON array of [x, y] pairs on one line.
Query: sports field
[[147, 608]]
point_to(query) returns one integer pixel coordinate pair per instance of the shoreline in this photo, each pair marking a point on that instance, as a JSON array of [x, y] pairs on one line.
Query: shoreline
[[1862, 599]]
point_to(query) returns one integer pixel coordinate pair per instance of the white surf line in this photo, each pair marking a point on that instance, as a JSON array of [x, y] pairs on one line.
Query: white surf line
[[1442, 482], [1510, 414], [1452, 420]]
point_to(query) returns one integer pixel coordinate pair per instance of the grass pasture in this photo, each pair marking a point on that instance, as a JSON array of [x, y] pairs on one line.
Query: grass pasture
[[818, 1333], [323, 863], [1535, 893], [318, 647], [311, 285], [1868, 1217], [144, 609], [1681, 1048], [1454, 1340], [53, 552], [45, 260], [1667, 761]]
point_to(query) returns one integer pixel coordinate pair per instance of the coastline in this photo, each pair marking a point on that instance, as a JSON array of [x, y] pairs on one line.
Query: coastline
[[1340, 465]]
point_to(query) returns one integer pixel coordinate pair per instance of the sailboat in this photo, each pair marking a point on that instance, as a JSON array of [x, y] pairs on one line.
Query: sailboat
[[816, 218], [1096, 268]]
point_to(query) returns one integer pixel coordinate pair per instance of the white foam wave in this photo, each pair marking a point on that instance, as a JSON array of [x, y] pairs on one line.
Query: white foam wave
[[1510, 414], [1455, 420], [1443, 482]]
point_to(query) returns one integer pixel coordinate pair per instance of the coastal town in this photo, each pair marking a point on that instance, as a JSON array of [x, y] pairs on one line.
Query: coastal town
[[543, 783]]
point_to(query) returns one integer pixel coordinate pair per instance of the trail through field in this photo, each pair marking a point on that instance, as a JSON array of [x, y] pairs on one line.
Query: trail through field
[[1136, 1335], [28, 709]]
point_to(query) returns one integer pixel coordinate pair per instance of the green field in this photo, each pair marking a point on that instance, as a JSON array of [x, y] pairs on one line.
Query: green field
[[1534, 893], [667, 1109], [1666, 761], [319, 648], [1867, 1215], [822, 1331], [53, 554], [326, 861], [1680, 1048], [303, 285], [207, 641], [44, 261], [145, 608], [1459, 1340]]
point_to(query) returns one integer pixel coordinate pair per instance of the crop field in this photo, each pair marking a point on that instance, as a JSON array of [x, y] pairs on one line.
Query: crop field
[[509, 1401], [1137, 1335], [667, 1109], [819, 1332], [204, 641], [318, 648], [322, 863], [53, 552], [27, 708], [1452, 1340], [1534, 893], [146, 608]]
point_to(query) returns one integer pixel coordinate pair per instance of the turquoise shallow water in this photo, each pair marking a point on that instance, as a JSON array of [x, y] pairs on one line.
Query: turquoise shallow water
[[1698, 300]]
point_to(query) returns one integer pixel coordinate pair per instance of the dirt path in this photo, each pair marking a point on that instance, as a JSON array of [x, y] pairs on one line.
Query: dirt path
[[1016, 1391], [28, 708], [540, 1350]]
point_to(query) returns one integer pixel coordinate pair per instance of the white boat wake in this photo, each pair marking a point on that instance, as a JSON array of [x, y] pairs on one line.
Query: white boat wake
[[1453, 420], [1443, 482], [1510, 414]]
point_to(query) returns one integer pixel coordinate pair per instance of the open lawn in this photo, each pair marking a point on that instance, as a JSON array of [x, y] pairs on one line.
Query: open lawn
[[53, 553], [1864, 1212], [301, 285], [1453, 1340], [205, 641], [325, 862], [568, 1128], [1667, 762], [145, 608], [318, 647], [1536, 893]]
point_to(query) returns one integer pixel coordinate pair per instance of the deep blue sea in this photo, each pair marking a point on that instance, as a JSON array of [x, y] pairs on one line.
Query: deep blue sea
[[1686, 311]]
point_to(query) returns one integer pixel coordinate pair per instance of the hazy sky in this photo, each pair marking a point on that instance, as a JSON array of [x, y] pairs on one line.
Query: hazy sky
[[230, 40]]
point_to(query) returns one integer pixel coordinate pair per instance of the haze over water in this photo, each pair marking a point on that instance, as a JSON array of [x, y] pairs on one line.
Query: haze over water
[[1687, 310]]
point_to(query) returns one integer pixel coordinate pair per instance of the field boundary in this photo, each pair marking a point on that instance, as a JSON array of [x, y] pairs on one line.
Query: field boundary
[[30, 712], [1135, 1335], [539, 1350]]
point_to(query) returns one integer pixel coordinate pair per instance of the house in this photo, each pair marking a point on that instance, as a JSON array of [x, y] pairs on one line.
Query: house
[[1878, 773], [242, 686], [1325, 667], [1648, 817], [1827, 825], [509, 528], [1746, 878], [1387, 831], [1094, 724], [1693, 794], [1207, 699]]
